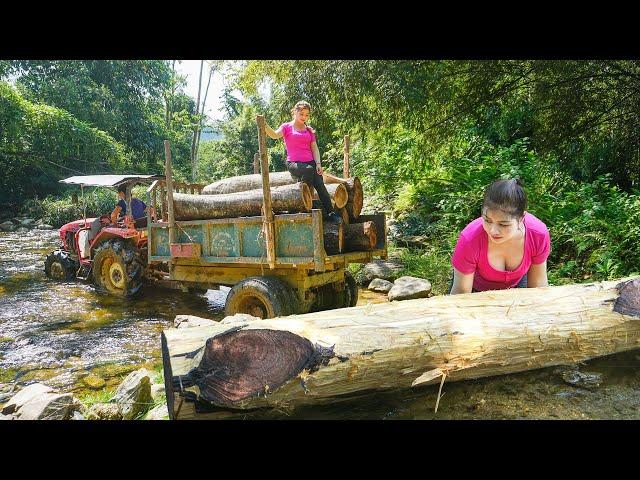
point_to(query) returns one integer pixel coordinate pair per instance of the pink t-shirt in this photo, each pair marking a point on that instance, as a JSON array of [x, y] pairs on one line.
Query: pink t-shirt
[[298, 144], [470, 254]]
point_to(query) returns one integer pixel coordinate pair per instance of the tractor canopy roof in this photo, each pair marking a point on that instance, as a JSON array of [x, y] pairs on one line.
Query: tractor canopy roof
[[110, 180]]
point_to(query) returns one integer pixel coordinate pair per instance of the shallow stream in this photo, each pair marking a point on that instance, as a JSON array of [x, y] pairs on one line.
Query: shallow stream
[[59, 332]]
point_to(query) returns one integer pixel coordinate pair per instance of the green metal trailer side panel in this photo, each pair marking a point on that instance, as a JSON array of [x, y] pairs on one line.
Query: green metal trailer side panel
[[252, 242], [223, 241], [294, 239]]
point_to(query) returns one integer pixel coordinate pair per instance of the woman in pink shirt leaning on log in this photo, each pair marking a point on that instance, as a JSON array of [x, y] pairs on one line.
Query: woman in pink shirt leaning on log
[[506, 247]]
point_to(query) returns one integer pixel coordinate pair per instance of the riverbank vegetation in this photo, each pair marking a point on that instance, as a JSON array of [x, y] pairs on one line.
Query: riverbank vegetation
[[426, 138]]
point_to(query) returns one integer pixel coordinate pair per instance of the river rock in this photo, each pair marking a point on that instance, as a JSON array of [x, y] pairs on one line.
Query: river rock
[[7, 226], [48, 406], [25, 395], [386, 270], [77, 416], [186, 321], [582, 379], [22, 230], [408, 288], [239, 317], [104, 411], [415, 241], [158, 413], [27, 222], [94, 381], [157, 391], [380, 285], [44, 226], [133, 395]]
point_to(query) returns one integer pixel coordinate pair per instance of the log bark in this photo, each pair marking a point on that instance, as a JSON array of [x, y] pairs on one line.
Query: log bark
[[410, 343], [293, 198], [333, 234], [360, 236], [242, 183]]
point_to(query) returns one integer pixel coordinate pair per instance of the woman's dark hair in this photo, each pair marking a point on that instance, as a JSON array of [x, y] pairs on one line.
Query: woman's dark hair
[[506, 195], [122, 188]]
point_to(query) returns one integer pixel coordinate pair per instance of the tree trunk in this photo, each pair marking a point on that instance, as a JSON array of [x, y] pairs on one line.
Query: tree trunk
[[242, 183], [398, 344], [338, 194], [333, 238], [288, 198], [360, 236]]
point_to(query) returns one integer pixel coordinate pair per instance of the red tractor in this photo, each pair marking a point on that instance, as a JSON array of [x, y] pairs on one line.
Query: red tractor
[[113, 256]]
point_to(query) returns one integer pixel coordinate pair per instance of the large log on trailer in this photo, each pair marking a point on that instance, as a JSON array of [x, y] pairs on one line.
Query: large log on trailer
[[333, 234], [360, 236], [292, 198], [323, 356], [242, 183]]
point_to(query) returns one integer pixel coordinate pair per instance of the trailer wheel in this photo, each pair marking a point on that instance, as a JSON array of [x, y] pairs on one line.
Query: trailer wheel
[[58, 266], [264, 297], [117, 269], [352, 286]]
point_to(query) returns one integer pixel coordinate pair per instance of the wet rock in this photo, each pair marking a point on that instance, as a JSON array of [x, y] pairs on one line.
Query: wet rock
[[386, 270], [44, 226], [408, 288], [104, 411], [415, 241], [22, 230], [94, 381], [157, 391], [25, 395], [582, 379], [133, 395], [77, 416], [186, 321], [239, 317], [158, 413], [7, 226], [48, 406], [380, 285], [27, 222]]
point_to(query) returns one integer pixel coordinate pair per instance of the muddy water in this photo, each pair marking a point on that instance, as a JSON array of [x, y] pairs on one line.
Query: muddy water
[[58, 333]]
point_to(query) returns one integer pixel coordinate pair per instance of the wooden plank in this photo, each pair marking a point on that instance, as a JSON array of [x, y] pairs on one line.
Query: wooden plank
[[318, 241], [267, 212], [169, 180]]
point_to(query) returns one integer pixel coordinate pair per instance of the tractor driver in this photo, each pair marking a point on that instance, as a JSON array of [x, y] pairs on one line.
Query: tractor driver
[[138, 207]]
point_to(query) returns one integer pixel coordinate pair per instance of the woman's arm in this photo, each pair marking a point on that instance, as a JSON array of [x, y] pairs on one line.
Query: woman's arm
[[275, 134], [316, 157], [537, 276], [462, 282]]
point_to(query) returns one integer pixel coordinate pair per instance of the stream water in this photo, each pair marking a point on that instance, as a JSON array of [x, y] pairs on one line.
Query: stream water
[[59, 332]]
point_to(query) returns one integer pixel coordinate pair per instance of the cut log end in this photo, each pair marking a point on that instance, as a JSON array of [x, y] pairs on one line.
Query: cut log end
[[307, 196], [247, 363], [628, 303]]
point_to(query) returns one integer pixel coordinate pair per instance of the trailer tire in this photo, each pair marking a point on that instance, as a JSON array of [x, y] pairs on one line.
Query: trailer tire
[[58, 266], [264, 297], [117, 269]]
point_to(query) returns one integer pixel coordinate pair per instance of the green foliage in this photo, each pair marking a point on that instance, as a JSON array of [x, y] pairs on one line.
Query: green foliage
[[58, 211], [37, 141]]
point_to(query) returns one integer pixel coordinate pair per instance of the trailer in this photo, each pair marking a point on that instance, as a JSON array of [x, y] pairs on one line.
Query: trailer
[[276, 265]]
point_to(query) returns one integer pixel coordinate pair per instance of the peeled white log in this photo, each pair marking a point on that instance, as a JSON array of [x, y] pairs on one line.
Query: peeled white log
[[402, 344]]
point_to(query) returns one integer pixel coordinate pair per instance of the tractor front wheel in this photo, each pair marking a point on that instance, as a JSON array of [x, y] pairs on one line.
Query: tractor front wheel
[[58, 266], [117, 269]]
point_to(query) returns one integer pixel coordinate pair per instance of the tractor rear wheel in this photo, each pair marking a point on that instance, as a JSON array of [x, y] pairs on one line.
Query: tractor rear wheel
[[117, 269], [264, 297], [58, 266]]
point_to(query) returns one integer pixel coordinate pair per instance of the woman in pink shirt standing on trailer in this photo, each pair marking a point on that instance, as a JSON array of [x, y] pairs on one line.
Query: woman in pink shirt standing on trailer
[[506, 247], [303, 156]]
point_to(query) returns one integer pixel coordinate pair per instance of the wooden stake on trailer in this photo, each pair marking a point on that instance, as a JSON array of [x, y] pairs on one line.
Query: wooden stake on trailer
[[267, 212], [256, 163], [345, 168], [167, 172]]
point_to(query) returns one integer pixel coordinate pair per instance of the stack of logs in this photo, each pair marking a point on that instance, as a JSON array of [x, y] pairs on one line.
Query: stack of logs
[[242, 196]]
